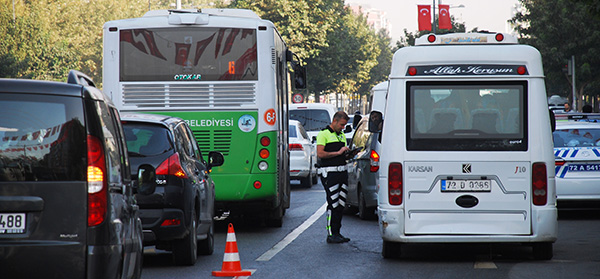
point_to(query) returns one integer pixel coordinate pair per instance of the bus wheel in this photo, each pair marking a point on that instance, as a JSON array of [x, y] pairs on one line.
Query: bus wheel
[[275, 218], [542, 251], [390, 250]]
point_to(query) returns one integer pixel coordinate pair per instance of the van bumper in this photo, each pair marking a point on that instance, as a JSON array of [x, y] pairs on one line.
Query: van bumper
[[544, 228]]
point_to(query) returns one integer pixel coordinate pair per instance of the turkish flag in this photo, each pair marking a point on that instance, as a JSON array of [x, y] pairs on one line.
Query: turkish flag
[[445, 22], [424, 17]]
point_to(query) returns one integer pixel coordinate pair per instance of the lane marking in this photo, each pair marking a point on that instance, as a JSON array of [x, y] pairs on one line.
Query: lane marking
[[291, 236]]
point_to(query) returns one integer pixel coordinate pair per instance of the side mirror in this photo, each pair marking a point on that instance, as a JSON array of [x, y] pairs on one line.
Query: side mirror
[[552, 121], [348, 129], [146, 180], [314, 139], [299, 76], [215, 159], [357, 118], [375, 121]]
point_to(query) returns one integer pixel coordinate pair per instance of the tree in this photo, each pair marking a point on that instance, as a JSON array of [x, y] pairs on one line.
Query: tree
[[560, 29], [349, 57]]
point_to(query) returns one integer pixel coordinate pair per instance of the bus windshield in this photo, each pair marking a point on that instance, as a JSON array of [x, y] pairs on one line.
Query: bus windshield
[[187, 54], [477, 116]]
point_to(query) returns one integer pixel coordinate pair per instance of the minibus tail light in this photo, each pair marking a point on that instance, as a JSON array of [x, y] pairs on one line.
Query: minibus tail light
[[539, 183], [431, 38], [395, 184]]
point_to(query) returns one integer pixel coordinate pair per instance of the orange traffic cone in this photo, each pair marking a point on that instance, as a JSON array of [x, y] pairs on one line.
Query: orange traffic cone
[[231, 259]]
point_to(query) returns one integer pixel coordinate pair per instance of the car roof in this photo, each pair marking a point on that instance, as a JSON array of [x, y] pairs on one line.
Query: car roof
[[150, 118], [29, 86]]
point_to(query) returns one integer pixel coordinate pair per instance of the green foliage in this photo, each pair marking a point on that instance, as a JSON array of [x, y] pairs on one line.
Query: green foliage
[[50, 37], [560, 29]]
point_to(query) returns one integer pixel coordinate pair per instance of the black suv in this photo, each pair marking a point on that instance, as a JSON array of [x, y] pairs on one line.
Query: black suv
[[175, 191], [67, 208]]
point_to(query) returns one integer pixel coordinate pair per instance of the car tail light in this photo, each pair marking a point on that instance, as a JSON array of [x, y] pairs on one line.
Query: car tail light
[[170, 222], [296, 146], [374, 161], [395, 184], [171, 166], [559, 163], [539, 184], [97, 184]]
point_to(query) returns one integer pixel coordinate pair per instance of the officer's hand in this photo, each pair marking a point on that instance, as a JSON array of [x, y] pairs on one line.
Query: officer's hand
[[344, 150]]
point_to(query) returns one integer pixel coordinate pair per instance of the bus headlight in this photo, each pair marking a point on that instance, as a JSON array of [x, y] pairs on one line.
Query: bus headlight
[[263, 166]]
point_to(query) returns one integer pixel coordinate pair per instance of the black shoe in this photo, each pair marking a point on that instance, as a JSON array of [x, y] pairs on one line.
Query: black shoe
[[335, 239], [344, 238]]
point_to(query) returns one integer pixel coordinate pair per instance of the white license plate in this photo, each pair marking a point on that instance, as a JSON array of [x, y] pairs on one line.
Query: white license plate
[[463, 185], [12, 223]]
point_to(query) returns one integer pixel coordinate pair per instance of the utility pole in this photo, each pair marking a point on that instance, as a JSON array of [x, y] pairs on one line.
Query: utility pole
[[433, 15]]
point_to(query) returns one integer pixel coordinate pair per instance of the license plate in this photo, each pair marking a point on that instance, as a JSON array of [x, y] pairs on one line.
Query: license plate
[[12, 223], [584, 167], [462, 185]]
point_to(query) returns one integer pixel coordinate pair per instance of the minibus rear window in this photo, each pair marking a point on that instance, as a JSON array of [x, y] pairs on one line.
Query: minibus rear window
[[470, 116]]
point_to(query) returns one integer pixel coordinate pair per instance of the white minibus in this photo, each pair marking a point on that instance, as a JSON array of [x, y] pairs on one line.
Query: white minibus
[[467, 152]]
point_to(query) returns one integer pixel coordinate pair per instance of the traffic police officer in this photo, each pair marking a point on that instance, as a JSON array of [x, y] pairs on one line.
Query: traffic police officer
[[332, 151]]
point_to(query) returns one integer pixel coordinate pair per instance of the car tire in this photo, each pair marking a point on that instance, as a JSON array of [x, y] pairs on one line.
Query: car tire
[[185, 251], [391, 250], [207, 246], [543, 251], [364, 212]]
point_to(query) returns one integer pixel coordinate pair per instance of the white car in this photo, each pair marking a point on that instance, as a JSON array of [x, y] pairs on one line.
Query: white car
[[577, 153], [313, 116], [303, 155]]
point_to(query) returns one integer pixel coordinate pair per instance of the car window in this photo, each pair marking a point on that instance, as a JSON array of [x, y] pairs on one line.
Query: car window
[[184, 141], [146, 139], [311, 119], [111, 144], [42, 138], [576, 137], [292, 131], [361, 136], [303, 132], [193, 144]]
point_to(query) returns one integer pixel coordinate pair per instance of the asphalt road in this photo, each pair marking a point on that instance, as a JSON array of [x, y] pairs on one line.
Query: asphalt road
[[298, 250]]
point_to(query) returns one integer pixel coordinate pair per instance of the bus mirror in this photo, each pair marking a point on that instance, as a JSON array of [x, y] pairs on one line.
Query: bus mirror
[[375, 121], [289, 56], [357, 118], [299, 76]]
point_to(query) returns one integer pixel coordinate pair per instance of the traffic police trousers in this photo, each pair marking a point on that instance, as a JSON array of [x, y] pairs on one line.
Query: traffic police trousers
[[336, 189]]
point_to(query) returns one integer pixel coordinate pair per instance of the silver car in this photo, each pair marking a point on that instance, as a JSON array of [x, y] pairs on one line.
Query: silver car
[[363, 172], [303, 155], [577, 152]]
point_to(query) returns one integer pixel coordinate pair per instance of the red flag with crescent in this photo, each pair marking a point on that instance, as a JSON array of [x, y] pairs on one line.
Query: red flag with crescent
[[445, 22], [424, 17]]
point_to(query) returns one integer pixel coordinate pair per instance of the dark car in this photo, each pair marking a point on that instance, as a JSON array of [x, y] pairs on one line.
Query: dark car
[[176, 193], [363, 171], [67, 208]]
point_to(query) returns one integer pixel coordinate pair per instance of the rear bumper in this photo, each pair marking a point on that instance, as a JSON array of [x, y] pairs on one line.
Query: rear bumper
[[299, 174], [544, 229], [152, 220], [571, 189]]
